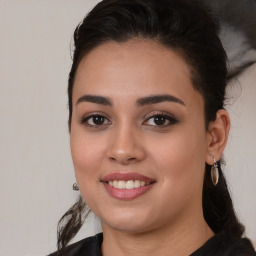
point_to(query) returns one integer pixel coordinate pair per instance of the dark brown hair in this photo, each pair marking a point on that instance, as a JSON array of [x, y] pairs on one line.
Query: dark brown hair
[[187, 28]]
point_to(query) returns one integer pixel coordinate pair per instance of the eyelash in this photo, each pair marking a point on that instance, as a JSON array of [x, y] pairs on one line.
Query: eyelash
[[85, 120], [170, 119], [167, 118]]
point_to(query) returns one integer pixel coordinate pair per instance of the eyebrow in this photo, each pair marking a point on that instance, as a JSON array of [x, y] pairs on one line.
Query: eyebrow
[[158, 99], [153, 99], [95, 99]]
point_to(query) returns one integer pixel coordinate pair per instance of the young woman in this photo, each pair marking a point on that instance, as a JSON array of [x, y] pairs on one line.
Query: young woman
[[147, 130]]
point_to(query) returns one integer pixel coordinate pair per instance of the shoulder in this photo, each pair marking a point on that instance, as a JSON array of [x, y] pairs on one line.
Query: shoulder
[[242, 247], [223, 245], [90, 246]]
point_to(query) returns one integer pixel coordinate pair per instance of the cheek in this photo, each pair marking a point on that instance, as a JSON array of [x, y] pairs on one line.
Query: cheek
[[86, 153], [180, 160], [87, 156]]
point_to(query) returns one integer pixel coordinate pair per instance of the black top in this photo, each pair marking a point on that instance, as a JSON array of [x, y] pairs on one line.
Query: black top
[[218, 245]]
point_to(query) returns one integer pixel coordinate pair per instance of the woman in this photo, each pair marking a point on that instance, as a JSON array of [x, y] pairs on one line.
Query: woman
[[147, 130]]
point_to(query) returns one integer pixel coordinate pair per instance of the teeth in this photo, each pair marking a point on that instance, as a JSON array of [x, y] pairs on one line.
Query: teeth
[[137, 184], [121, 184], [130, 184]]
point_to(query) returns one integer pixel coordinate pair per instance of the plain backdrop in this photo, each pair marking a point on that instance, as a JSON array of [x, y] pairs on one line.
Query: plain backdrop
[[36, 172]]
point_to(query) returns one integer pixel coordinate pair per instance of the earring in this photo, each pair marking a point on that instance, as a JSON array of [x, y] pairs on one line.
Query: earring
[[75, 187], [215, 173]]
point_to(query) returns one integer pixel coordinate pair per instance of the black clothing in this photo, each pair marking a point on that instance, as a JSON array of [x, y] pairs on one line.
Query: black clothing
[[222, 245], [218, 245]]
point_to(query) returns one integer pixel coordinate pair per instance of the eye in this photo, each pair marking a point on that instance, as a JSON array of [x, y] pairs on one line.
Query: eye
[[160, 120], [95, 121]]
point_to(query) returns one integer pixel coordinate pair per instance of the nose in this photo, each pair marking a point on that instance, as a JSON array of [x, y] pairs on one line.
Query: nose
[[126, 146]]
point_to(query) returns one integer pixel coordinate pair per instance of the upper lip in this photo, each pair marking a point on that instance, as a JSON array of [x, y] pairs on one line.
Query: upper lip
[[126, 177]]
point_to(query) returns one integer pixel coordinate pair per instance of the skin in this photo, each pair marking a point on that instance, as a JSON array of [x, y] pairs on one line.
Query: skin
[[168, 219]]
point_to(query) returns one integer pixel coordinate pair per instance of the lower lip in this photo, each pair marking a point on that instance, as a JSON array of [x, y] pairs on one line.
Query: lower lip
[[127, 194]]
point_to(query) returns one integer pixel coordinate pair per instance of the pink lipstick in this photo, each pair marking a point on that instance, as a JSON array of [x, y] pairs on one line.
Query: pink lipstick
[[127, 186]]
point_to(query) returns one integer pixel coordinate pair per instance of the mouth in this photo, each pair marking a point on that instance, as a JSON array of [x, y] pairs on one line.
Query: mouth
[[127, 186], [130, 184]]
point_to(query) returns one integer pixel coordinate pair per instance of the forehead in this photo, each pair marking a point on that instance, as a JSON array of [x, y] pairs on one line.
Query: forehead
[[133, 68]]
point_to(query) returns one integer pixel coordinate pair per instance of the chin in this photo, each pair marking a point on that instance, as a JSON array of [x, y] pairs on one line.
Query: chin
[[127, 222], [129, 227]]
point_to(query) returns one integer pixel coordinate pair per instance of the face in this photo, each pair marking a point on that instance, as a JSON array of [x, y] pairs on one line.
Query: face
[[138, 137]]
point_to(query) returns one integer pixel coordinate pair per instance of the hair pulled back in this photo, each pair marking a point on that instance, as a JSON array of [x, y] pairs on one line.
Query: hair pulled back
[[188, 29]]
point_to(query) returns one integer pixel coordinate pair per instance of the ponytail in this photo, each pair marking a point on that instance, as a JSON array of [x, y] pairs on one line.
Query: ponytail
[[70, 223]]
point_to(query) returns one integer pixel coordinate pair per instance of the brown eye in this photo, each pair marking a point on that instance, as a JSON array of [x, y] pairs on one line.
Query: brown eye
[[95, 121], [160, 120]]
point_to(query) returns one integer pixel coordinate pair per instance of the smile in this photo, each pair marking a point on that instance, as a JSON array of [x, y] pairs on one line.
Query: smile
[[127, 186], [130, 184]]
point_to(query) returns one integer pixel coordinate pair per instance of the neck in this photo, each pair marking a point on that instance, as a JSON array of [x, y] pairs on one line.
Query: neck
[[179, 240]]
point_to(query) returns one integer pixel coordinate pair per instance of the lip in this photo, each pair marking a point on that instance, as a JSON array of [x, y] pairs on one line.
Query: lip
[[127, 194]]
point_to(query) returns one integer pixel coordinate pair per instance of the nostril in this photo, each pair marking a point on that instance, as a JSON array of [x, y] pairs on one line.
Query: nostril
[[131, 159], [122, 160]]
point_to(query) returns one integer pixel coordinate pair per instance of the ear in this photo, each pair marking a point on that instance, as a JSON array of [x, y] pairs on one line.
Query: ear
[[217, 136]]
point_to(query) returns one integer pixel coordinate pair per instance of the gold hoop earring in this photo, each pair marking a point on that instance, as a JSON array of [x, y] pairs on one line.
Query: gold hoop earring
[[215, 173]]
